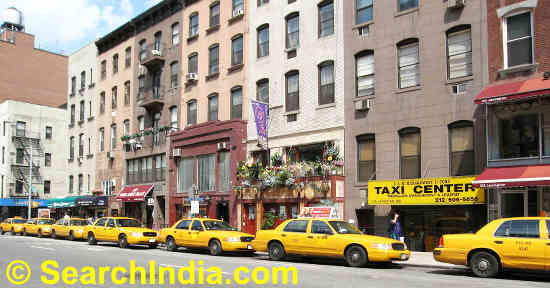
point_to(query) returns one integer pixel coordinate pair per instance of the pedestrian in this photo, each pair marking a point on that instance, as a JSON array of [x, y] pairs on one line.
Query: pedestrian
[[395, 230], [66, 217], [90, 220]]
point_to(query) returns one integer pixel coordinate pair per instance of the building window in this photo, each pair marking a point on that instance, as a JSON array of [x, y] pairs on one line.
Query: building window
[[364, 67], [47, 186], [127, 93], [174, 118], [366, 158], [409, 63], [158, 41], [101, 139], [115, 63], [156, 125], [142, 50], [83, 80], [90, 152], [459, 52], [237, 50], [71, 148], [238, 6], [128, 57], [326, 83], [263, 41], [20, 128], [141, 87], [213, 107], [91, 76], [20, 156], [409, 141], [114, 98], [224, 171], [89, 110], [326, 18], [3, 155], [89, 183], [292, 91], [82, 110], [262, 2], [292, 31], [103, 69], [215, 14], [192, 63], [206, 173], [81, 145], [73, 114], [237, 103], [364, 11], [73, 86], [461, 135], [213, 59], [194, 24], [407, 4], [113, 137], [126, 127], [176, 33], [186, 174], [262, 90], [141, 121], [80, 183], [192, 112], [102, 102], [71, 186], [174, 67], [518, 37]]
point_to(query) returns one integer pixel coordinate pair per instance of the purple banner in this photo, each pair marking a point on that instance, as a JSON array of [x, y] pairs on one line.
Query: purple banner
[[260, 115]]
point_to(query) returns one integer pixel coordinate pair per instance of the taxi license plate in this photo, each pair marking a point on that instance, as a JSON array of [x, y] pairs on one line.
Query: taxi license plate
[[152, 240], [249, 247], [404, 257]]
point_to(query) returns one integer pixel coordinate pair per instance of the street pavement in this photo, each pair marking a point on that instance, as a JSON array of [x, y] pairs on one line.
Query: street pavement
[[310, 273]]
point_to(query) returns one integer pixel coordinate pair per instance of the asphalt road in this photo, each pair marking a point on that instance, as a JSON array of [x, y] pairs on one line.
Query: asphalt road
[[310, 273]]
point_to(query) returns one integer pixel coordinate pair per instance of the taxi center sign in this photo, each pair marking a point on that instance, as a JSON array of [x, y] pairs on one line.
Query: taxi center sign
[[427, 191]]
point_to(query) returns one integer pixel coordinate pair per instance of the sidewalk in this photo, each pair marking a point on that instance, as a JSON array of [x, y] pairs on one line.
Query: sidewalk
[[426, 259]]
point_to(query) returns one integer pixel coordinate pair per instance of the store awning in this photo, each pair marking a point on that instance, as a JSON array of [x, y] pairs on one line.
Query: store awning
[[20, 202], [92, 201], [513, 91], [517, 176], [134, 193], [66, 202]]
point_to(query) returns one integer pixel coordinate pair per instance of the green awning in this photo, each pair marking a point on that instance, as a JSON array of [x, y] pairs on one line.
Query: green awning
[[66, 202]]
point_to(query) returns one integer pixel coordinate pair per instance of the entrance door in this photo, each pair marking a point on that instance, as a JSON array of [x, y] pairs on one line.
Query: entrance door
[[222, 211], [249, 219], [513, 204]]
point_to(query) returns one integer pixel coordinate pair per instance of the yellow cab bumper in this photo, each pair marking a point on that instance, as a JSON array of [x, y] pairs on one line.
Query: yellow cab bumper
[[452, 256], [237, 246], [142, 240], [378, 255], [17, 228]]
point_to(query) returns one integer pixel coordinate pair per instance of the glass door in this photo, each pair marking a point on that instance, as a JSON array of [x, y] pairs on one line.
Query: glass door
[[513, 204]]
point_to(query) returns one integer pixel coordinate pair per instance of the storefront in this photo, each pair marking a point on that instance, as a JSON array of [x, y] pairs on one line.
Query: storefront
[[61, 206], [92, 206], [11, 207], [430, 207], [137, 204]]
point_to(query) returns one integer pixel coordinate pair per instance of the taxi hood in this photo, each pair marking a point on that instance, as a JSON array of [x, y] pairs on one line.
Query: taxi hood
[[232, 233], [136, 229], [368, 238]]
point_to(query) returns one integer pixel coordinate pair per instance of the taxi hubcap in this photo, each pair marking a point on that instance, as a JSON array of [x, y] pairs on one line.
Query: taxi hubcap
[[483, 265], [355, 256]]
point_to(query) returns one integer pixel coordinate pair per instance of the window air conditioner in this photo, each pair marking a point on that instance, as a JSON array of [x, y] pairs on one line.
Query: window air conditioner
[[363, 105], [456, 3], [191, 77], [176, 153], [222, 146], [110, 155], [238, 12], [156, 52]]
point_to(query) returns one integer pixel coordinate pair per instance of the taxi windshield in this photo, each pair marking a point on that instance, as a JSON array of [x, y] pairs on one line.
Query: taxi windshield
[[127, 223], [45, 221], [19, 221], [343, 227], [79, 222], [218, 225]]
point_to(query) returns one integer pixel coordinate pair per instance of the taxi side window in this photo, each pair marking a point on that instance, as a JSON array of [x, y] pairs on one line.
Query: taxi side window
[[197, 226], [519, 229], [320, 227], [548, 227], [101, 222], [299, 226], [184, 225], [66, 223], [111, 223], [59, 222]]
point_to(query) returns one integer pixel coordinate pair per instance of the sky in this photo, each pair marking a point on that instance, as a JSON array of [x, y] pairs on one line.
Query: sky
[[64, 26]]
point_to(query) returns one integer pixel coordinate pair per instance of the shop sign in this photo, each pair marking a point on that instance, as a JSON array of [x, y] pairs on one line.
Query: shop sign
[[318, 212], [44, 213], [150, 201], [428, 191], [195, 207]]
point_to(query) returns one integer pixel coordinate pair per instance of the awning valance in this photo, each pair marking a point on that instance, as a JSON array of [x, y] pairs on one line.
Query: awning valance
[[516, 176], [134, 193], [92, 201], [513, 91], [20, 202], [66, 202]]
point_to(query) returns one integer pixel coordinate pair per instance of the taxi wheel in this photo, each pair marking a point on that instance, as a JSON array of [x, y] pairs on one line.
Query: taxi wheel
[[91, 239], [54, 235], [39, 233], [122, 241], [215, 247], [71, 236], [24, 232], [356, 256], [12, 232], [485, 265], [152, 246], [276, 251], [171, 244], [1, 231]]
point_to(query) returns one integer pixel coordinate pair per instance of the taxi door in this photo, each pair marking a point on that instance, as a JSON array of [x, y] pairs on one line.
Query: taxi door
[[321, 239], [99, 229], [181, 233], [57, 226], [195, 233], [294, 237], [30, 226], [547, 248], [64, 229], [520, 244], [111, 231]]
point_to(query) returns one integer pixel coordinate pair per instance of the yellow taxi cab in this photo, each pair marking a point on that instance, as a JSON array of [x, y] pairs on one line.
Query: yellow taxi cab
[[328, 238], [121, 230], [72, 229], [503, 244], [204, 233], [38, 226], [13, 225]]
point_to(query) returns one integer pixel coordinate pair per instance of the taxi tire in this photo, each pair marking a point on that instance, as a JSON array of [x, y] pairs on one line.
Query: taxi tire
[[123, 241], [91, 239], [215, 247], [54, 235], [171, 244], [39, 233], [276, 251], [71, 236], [485, 258], [356, 256], [12, 232], [24, 232], [1, 231]]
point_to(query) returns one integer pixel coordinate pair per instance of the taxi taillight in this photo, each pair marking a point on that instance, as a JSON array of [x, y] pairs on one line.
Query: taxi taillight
[[441, 242]]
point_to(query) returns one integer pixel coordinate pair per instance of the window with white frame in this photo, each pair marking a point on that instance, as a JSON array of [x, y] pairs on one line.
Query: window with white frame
[[459, 52], [364, 11], [174, 117], [176, 33], [263, 40], [186, 174], [364, 63], [213, 107], [113, 136], [292, 31], [518, 39], [409, 63], [206, 173], [326, 18]]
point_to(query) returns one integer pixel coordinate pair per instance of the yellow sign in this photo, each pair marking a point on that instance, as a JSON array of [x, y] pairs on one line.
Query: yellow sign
[[429, 191]]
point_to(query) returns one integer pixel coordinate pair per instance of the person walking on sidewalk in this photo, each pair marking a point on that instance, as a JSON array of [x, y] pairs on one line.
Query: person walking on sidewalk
[[395, 230]]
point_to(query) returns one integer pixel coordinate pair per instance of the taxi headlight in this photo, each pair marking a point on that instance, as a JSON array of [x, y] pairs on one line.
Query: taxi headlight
[[47, 229], [381, 246], [136, 234], [232, 239], [80, 231]]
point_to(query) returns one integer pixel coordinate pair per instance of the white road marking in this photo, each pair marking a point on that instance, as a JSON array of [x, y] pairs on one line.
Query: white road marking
[[170, 265], [43, 248]]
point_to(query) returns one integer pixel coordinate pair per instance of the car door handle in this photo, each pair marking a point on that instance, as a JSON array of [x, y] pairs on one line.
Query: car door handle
[[498, 242], [548, 244], [283, 235], [311, 237]]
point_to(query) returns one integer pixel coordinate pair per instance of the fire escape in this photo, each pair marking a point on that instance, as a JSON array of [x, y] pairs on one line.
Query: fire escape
[[29, 150]]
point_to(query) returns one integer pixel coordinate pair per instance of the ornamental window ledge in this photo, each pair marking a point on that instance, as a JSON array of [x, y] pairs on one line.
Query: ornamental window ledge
[[519, 68]]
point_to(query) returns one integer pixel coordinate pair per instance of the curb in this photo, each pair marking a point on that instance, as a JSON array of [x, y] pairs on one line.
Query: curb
[[456, 267]]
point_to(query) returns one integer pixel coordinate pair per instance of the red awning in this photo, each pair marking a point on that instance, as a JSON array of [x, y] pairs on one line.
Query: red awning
[[517, 176], [134, 193], [516, 90]]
